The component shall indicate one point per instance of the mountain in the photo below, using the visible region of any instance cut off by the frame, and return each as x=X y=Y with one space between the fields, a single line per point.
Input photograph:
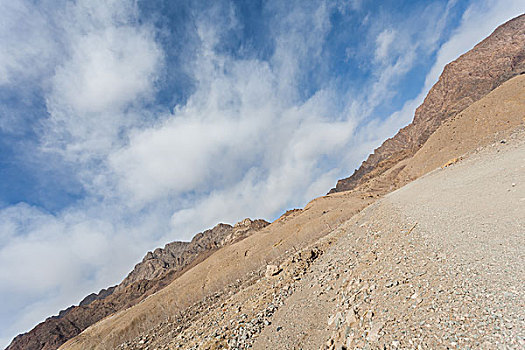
x=464 y=81
x=444 y=252
x=298 y=280
x=158 y=269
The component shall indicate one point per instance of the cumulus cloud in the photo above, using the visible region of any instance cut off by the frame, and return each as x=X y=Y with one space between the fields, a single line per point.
x=107 y=71
x=111 y=68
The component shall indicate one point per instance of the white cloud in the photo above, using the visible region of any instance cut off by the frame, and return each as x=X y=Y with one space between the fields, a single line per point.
x=111 y=70
x=26 y=38
x=383 y=44
x=107 y=71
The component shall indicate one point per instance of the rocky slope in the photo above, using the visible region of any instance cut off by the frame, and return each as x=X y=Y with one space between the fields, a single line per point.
x=178 y=254
x=192 y=294
x=464 y=81
x=437 y=264
x=158 y=269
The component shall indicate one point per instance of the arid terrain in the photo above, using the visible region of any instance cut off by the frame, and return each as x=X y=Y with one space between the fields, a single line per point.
x=422 y=247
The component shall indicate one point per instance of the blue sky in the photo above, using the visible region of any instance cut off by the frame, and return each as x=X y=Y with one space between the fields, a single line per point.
x=128 y=124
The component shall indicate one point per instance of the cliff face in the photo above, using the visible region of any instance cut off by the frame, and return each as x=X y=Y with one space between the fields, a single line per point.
x=493 y=61
x=158 y=269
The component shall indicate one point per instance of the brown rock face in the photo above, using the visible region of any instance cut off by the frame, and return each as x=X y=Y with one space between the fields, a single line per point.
x=158 y=269
x=177 y=254
x=495 y=60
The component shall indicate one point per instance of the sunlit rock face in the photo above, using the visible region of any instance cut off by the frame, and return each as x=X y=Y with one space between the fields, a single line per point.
x=495 y=60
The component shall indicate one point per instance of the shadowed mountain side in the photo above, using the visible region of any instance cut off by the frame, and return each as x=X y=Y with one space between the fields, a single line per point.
x=157 y=270
x=464 y=81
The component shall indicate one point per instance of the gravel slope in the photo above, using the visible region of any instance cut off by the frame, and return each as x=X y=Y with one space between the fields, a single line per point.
x=436 y=264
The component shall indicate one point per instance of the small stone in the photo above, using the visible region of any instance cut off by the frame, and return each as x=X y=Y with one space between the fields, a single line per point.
x=331 y=320
x=373 y=335
x=351 y=320
x=338 y=318
x=272 y=270
x=349 y=341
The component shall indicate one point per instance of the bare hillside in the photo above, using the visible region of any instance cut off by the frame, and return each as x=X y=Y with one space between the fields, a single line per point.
x=437 y=264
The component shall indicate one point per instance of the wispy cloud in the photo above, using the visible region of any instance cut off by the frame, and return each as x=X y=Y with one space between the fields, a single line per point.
x=28 y=41
x=383 y=44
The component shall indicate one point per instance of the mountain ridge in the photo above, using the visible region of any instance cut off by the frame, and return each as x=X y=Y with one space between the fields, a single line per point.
x=493 y=61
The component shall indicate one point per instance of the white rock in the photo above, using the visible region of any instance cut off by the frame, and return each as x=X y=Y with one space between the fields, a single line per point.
x=272 y=270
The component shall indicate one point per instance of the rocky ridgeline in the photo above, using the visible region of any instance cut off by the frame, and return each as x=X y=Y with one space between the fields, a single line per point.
x=178 y=254
x=158 y=269
x=493 y=61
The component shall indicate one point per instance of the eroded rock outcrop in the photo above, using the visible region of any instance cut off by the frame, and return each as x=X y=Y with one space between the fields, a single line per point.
x=177 y=254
